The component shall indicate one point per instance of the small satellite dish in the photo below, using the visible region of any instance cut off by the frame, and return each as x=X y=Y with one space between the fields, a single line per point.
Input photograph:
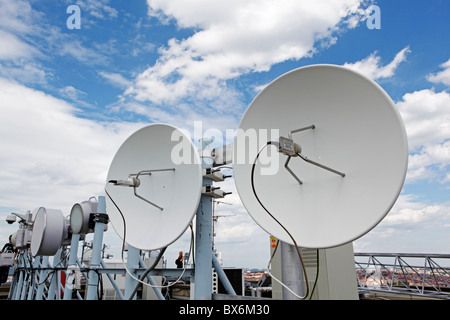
x=50 y=231
x=155 y=181
x=337 y=162
x=80 y=216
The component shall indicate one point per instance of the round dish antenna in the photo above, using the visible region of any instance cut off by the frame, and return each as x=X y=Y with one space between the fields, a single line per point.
x=321 y=154
x=80 y=216
x=50 y=231
x=154 y=186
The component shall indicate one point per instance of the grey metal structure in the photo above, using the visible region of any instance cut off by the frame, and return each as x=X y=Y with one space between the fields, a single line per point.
x=424 y=275
x=36 y=278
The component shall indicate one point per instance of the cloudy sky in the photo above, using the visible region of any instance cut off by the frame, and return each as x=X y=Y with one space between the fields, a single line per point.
x=72 y=90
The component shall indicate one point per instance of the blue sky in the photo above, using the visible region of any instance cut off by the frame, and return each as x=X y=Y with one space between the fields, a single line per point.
x=70 y=97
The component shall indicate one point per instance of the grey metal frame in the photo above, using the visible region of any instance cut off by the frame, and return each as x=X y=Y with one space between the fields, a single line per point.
x=394 y=274
x=32 y=278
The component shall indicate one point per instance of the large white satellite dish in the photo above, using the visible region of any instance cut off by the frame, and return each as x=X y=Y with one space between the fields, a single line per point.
x=50 y=231
x=343 y=161
x=155 y=181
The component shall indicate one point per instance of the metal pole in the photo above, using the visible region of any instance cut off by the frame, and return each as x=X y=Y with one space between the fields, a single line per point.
x=18 y=287
x=19 y=284
x=113 y=282
x=222 y=276
x=96 y=250
x=291 y=272
x=203 y=235
x=132 y=265
x=81 y=266
x=53 y=289
x=152 y=281
x=42 y=279
x=26 y=282
x=70 y=274
x=33 y=278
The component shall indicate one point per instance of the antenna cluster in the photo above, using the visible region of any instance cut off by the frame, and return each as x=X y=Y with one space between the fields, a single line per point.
x=334 y=182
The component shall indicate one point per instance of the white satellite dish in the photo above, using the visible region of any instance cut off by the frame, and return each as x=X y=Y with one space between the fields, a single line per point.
x=50 y=231
x=155 y=181
x=343 y=156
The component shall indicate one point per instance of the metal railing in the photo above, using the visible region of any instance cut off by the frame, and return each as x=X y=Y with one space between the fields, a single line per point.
x=426 y=275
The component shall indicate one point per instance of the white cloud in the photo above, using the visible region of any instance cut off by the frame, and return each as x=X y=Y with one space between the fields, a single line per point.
x=116 y=79
x=27 y=32
x=411 y=226
x=75 y=48
x=14 y=48
x=408 y=212
x=446 y=179
x=426 y=114
x=16 y=16
x=17 y=20
x=232 y=230
x=234 y=38
x=28 y=39
x=371 y=66
x=50 y=157
x=25 y=71
x=430 y=163
x=98 y=8
x=442 y=76
x=71 y=92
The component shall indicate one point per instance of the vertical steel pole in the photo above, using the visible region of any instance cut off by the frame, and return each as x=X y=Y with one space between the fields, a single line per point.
x=18 y=287
x=24 y=289
x=42 y=279
x=291 y=272
x=151 y=280
x=34 y=277
x=54 y=284
x=19 y=283
x=27 y=281
x=70 y=274
x=203 y=235
x=113 y=282
x=96 y=250
x=222 y=276
x=132 y=264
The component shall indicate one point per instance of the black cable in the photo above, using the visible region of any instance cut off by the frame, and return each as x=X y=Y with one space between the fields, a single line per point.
x=282 y=226
x=46 y=278
x=99 y=285
x=146 y=272
x=123 y=219
x=162 y=250
x=123 y=247
x=317 y=274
